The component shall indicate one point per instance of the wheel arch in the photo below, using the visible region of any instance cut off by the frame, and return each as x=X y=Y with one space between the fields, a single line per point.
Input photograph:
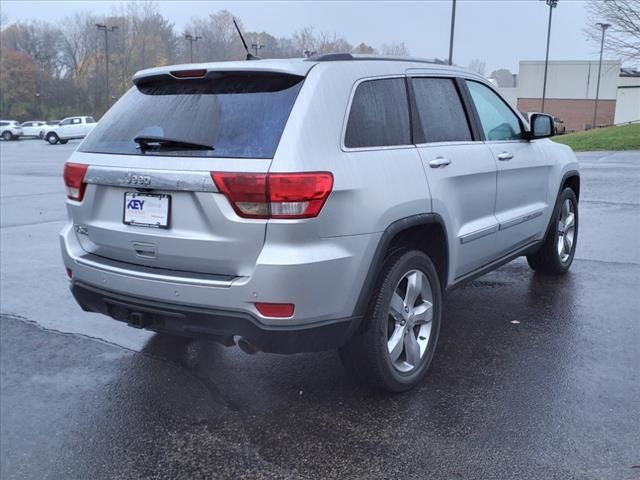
x=426 y=232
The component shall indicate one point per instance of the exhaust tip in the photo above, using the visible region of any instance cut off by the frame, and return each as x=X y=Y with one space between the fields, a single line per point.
x=247 y=347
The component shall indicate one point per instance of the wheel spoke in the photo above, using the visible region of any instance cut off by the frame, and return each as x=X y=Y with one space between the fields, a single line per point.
x=566 y=245
x=566 y=209
x=397 y=306
x=412 y=348
x=561 y=245
x=395 y=343
x=414 y=288
x=569 y=222
x=423 y=313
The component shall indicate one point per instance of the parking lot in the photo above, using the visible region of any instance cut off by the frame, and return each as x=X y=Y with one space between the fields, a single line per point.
x=534 y=378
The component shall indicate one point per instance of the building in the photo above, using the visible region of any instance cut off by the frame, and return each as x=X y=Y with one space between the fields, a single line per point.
x=571 y=92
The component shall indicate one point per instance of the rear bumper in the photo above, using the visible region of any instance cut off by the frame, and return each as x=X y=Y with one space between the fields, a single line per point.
x=220 y=324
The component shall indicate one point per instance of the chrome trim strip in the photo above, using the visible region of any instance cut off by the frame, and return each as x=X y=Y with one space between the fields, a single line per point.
x=469 y=237
x=148 y=273
x=519 y=220
x=175 y=180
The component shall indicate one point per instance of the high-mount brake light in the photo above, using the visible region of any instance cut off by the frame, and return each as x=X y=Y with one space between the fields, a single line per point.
x=275 y=195
x=73 y=175
x=199 y=73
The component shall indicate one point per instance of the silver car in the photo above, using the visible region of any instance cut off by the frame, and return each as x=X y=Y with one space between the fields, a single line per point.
x=312 y=204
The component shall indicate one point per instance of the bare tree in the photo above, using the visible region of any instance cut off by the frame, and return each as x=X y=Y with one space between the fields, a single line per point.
x=478 y=66
x=504 y=77
x=395 y=49
x=364 y=48
x=623 y=38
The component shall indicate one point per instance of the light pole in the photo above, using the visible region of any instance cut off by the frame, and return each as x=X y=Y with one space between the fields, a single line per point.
x=552 y=4
x=453 y=24
x=191 y=39
x=106 y=31
x=257 y=46
x=603 y=26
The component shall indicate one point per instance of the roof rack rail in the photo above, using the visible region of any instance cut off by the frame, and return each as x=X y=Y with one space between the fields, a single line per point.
x=334 y=57
x=331 y=57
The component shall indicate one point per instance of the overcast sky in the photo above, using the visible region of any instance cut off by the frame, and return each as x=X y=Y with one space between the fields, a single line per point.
x=500 y=32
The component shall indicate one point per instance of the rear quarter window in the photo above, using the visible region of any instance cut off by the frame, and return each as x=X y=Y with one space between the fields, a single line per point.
x=379 y=115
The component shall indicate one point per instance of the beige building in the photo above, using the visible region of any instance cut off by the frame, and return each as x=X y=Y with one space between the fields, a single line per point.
x=571 y=92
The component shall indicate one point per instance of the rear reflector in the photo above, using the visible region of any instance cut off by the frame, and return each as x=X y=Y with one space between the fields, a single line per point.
x=276 y=310
x=275 y=195
x=74 y=180
x=69 y=273
x=189 y=73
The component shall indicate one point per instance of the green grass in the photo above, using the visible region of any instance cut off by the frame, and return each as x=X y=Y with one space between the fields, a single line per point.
x=624 y=137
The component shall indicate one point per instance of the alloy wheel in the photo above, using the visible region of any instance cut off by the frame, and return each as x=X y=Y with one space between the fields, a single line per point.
x=566 y=230
x=409 y=324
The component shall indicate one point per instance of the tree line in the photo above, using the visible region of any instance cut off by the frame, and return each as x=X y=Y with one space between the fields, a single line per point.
x=55 y=70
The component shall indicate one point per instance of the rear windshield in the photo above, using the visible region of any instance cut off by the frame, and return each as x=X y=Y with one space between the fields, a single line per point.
x=238 y=114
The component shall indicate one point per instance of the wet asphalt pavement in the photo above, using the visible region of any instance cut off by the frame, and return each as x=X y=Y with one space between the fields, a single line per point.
x=534 y=377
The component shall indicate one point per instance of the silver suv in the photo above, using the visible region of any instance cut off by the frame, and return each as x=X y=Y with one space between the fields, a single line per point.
x=310 y=204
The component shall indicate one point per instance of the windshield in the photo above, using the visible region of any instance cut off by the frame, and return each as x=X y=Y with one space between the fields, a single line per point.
x=237 y=114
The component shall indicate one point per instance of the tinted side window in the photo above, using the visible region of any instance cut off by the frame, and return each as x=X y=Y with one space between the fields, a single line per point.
x=440 y=110
x=90 y=120
x=66 y=122
x=379 y=115
x=497 y=119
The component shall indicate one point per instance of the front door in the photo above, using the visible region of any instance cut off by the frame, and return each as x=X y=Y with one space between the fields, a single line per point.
x=523 y=170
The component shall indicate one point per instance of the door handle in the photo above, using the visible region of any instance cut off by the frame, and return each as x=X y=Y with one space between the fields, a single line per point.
x=439 y=162
x=505 y=156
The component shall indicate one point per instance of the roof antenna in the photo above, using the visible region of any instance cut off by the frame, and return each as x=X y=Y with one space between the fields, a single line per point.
x=246 y=49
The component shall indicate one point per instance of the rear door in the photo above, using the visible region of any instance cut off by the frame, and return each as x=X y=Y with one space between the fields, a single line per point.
x=241 y=118
x=523 y=170
x=460 y=170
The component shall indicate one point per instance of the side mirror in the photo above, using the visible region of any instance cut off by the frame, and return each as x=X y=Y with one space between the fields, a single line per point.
x=541 y=125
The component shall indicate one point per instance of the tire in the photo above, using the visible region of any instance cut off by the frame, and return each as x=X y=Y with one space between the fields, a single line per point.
x=52 y=138
x=7 y=135
x=64 y=142
x=559 y=247
x=367 y=356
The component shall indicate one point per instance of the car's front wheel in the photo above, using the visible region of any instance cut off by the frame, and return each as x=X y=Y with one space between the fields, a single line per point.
x=7 y=135
x=400 y=332
x=556 y=254
x=52 y=138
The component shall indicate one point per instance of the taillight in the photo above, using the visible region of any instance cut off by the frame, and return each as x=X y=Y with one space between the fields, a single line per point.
x=74 y=180
x=275 y=195
x=275 y=310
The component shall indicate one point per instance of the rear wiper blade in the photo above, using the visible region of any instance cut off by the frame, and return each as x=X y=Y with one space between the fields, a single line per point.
x=145 y=142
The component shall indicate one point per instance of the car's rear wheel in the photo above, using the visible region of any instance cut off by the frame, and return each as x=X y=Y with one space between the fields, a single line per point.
x=7 y=135
x=559 y=247
x=52 y=138
x=401 y=329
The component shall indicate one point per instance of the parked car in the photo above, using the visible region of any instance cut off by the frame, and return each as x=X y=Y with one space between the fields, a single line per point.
x=45 y=127
x=561 y=128
x=304 y=205
x=10 y=130
x=32 y=128
x=69 y=129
